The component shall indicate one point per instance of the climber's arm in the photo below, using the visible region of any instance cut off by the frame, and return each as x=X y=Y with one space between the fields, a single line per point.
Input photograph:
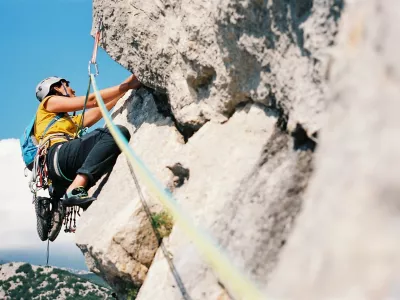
x=69 y=104
x=93 y=115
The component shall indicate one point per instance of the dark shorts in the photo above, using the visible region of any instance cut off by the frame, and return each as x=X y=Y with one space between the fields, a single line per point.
x=92 y=155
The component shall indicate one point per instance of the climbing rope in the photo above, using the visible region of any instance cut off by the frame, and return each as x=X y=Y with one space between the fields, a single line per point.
x=80 y=130
x=164 y=249
x=48 y=253
x=232 y=278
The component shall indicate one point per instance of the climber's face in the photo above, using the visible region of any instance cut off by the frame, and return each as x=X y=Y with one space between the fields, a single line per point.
x=65 y=89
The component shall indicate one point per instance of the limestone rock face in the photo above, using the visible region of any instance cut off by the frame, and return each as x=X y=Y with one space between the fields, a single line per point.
x=250 y=215
x=236 y=94
x=345 y=244
x=211 y=55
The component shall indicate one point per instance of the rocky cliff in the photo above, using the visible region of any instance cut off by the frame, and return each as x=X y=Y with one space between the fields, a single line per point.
x=274 y=125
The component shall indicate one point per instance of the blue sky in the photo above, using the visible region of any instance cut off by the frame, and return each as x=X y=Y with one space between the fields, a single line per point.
x=44 y=38
x=39 y=38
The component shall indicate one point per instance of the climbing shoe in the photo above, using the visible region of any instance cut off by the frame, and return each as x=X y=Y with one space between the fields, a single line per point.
x=77 y=197
x=43 y=216
x=57 y=218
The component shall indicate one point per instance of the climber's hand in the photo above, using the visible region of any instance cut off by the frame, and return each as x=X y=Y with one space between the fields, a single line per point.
x=133 y=82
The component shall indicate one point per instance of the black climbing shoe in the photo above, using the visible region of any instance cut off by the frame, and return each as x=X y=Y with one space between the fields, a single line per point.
x=77 y=197
x=57 y=218
x=43 y=216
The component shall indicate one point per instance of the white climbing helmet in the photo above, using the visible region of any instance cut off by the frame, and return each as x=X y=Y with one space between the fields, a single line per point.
x=43 y=88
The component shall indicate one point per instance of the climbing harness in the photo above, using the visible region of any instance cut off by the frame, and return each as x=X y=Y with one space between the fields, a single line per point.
x=56 y=165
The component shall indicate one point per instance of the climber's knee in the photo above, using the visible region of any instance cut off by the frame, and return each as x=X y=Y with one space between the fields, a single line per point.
x=125 y=132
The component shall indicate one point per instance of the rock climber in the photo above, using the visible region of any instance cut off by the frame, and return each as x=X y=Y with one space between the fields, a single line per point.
x=76 y=163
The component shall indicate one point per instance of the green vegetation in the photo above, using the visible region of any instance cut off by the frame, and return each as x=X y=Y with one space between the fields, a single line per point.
x=128 y=290
x=5 y=285
x=163 y=223
x=30 y=284
x=132 y=294
x=25 y=268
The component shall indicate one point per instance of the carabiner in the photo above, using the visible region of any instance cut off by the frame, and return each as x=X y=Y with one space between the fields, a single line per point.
x=90 y=68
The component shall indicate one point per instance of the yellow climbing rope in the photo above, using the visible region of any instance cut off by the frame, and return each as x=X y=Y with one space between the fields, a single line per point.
x=231 y=277
x=234 y=280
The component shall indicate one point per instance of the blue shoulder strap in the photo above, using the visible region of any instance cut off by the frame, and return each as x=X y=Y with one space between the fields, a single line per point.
x=55 y=119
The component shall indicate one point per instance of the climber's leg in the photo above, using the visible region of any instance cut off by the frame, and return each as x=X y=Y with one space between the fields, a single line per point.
x=86 y=159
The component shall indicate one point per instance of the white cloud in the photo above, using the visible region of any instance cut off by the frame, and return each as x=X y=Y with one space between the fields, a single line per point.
x=17 y=213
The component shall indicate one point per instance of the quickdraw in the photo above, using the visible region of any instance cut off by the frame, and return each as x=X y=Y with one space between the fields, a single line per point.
x=39 y=179
x=93 y=61
x=70 y=218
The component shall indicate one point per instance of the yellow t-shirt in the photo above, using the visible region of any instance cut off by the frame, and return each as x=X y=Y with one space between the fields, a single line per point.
x=66 y=124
